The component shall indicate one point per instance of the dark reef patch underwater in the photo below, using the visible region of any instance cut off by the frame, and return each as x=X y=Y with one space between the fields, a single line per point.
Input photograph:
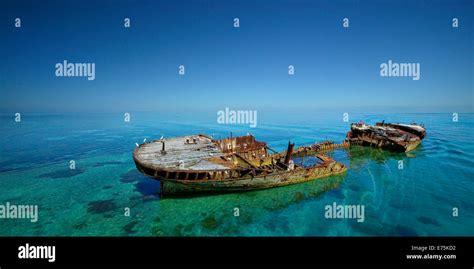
x=101 y=206
x=132 y=175
x=143 y=184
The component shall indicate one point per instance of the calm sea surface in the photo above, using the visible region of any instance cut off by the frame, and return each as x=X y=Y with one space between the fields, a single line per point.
x=91 y=200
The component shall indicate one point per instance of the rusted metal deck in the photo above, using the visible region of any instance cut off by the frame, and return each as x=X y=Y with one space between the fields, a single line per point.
x=191 y=153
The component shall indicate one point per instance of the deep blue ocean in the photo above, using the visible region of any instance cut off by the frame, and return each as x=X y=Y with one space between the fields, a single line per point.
x=417 y=200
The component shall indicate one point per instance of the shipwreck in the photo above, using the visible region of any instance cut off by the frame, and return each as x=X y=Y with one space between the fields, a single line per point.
x=201 y=164
x=389 y=136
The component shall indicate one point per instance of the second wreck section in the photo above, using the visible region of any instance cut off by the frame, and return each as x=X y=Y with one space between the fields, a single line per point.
x=390 y=136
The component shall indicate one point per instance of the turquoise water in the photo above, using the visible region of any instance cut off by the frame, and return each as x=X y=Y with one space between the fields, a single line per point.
x=91 y=200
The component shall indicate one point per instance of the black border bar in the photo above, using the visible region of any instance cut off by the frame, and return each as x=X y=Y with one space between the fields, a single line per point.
x=237 y=250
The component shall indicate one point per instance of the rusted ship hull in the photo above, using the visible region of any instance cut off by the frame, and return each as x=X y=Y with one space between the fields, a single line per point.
x=384 y=144
x=248 y=184
x=387 y=136
x=199 y=164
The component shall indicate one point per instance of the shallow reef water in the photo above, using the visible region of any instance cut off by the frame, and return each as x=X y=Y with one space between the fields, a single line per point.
x=107 y=196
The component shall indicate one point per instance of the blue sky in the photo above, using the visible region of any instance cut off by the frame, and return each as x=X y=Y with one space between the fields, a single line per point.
x=240 y=68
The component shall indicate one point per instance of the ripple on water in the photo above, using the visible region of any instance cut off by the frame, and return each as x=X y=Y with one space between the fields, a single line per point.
x=64 y=173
